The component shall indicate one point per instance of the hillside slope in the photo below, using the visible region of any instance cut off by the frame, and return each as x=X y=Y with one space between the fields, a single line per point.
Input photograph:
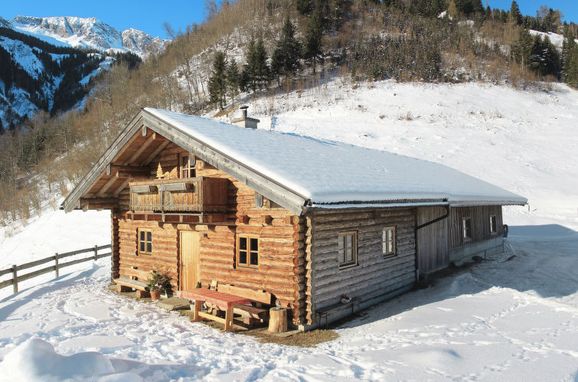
x=523 y=141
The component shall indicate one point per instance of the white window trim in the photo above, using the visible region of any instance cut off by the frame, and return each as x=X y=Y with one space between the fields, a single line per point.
x=493 y=232
x=354 y=248
x=464 y=237
x=384 y=241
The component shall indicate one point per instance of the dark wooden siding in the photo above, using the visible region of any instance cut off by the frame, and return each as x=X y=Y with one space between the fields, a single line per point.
x=375 y=274
x=480 y=224
x=432 y=240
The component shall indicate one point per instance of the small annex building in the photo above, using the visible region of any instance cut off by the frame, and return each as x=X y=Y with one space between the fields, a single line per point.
x=327 y=228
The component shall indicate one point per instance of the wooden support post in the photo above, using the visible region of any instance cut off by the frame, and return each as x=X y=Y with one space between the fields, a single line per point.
x=277 y=320
x=197 y=310
x=229 y=318
x=95 y=252
x=15 y=278
x=56 y=266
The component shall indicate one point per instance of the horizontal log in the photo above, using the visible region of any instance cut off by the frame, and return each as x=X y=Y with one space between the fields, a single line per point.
x=6 y=283
x=123 y=171
x=345 y=283
x=39 y=272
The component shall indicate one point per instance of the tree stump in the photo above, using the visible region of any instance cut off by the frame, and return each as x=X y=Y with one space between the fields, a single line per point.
x=277 y=320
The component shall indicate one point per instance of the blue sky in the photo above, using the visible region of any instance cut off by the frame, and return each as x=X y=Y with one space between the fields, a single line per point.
x=146 y=15
x=529 y=7
x=150 y=15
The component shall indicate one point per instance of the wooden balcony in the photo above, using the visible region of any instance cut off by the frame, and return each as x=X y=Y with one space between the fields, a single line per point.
x=179 y=195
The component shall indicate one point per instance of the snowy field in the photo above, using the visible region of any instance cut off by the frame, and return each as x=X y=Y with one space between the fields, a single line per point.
x=513 y=317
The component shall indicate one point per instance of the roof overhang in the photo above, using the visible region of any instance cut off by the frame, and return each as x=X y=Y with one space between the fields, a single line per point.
x=262 y=184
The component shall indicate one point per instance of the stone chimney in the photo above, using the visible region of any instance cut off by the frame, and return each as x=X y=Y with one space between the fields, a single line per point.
x=244 y=120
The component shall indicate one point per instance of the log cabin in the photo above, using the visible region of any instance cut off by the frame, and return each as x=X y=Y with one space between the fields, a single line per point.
x=326 y=228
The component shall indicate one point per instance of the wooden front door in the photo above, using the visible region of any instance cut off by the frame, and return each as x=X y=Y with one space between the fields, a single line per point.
x=190 y=272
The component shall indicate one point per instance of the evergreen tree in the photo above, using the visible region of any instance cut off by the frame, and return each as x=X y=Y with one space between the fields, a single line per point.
x=261 y=71
x=285 y=60
x=515 y=14
x=218 y=80
x=256 y=72
x=313 y=40
x=233 y=79
x=544 y=57
x=570 y=59
x=522 y=49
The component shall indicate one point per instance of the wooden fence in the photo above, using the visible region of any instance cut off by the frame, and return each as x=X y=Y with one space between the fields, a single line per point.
x=56 y=267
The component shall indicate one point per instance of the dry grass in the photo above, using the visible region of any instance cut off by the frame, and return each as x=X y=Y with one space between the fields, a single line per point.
x=298 y=339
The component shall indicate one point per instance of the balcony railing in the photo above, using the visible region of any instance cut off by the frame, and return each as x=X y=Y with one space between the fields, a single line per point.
x=179 y=195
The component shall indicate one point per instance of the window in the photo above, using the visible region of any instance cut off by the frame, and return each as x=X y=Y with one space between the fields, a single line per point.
x=347 y=248
x=388 y=241
x=467 y=228
x=145 y=242
x=493 y=224
x=187 y=166
x=248 y=251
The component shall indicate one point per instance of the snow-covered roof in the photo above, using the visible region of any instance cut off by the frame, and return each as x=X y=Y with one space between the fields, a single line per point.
x=332 y=174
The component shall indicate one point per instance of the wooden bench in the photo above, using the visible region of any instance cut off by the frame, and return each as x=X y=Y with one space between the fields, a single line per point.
x=251 y=314
x=134 y=279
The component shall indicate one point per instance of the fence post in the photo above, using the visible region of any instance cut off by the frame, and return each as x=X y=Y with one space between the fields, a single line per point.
x=15 y=279
x=95 y=252
x=56 y=269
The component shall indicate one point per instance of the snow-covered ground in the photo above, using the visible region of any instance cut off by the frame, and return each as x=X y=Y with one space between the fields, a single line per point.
x=506 y=319
x=514 y=317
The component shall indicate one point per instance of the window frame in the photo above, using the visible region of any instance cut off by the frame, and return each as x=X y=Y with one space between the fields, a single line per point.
x=466 y=238
x=493 y=224
x=249 y=251
x=145 y=241
x=189 y=167
x=354 y=248
x=384 y=241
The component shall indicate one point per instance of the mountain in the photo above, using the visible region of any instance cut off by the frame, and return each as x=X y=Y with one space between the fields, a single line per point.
x=35 y=75
x=47 y=64
x=88 y=33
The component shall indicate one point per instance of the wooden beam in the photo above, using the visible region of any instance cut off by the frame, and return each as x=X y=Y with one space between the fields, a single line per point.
x=123 y=171
x=142 y=149
x=106 y=186
x=98 y=203
x=121 y=187
x=156 y=152
x=122 y=149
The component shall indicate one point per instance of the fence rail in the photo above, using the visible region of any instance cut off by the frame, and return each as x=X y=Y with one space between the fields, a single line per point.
x=56 y=267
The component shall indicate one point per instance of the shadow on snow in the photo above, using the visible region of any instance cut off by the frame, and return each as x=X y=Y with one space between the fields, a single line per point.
x=541 y=259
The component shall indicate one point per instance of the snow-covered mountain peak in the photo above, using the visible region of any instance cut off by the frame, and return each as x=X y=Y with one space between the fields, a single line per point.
x=142 y=43
x=90 y=33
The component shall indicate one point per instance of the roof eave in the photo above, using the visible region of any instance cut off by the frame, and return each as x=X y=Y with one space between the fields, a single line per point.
x=72 y=201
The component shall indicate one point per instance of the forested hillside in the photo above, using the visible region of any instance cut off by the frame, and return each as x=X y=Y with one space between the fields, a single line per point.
x=36 y=76
x=250 y=49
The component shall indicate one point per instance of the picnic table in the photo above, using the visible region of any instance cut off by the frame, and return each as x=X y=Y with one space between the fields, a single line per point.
x=224 y=301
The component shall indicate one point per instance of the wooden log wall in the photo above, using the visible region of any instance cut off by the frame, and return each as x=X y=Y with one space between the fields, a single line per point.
x=165 y=249
x=281 y=234
x=432 y=241
x=480 y=224
x=375 y=274
x=115 y=250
